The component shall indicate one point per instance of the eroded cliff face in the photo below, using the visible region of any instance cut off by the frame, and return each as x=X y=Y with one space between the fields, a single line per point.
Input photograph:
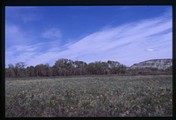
x=155 y=63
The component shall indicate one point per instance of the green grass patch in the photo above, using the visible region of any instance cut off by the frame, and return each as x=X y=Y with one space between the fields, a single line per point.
x=89 y=96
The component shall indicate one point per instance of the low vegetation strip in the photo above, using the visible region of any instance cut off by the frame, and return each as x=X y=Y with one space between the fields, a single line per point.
x=67 y=67
x=97 y=96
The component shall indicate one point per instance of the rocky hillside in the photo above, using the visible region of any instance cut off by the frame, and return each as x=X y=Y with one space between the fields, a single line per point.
x=155 y=63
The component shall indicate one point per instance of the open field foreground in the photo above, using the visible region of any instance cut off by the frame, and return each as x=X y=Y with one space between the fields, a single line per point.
x=95 y=96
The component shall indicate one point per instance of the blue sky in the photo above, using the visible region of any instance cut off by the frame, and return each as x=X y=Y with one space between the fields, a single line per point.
x=128 y=34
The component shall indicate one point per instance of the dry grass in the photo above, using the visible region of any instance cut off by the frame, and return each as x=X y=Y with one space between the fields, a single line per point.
x=97 y=96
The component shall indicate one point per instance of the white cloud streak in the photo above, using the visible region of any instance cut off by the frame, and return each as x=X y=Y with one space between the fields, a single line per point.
x=150 y=49
x=52 y=33
x=128 y=44
x=19 y=13
x=13 y=34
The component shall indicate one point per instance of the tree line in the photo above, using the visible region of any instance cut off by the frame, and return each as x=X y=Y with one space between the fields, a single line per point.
x=67 y=67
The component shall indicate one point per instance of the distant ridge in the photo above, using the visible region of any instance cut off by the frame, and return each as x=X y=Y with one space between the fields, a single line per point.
x=154 y=63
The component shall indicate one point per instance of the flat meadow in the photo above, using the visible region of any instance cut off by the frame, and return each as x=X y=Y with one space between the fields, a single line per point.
x=89 y=96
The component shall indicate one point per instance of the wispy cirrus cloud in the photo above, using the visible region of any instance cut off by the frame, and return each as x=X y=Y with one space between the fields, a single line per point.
x=19 y=13
x=150 y=49
x=15 y=35
x=128 y=43
x=22 y=46
x=52 y=33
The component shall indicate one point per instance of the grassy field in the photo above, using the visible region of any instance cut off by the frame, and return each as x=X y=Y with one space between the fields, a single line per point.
x=94 y=96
